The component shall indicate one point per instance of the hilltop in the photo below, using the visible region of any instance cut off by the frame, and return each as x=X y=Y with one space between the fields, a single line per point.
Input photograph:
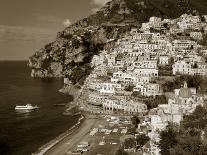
x=71 y=53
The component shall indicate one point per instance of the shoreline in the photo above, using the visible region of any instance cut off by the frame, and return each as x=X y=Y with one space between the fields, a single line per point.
x=69 y=142
x=70 y=132
x=52 y=143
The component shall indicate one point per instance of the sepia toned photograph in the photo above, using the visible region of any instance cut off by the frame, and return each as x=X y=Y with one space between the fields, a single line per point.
x=103 y=77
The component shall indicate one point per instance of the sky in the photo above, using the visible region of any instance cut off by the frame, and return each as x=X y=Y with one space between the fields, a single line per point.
x=27 y=25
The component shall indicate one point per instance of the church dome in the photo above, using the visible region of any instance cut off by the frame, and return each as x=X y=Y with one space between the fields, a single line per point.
x=185 y=92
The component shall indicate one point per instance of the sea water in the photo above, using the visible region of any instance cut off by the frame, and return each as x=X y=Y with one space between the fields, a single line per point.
x=24 y=133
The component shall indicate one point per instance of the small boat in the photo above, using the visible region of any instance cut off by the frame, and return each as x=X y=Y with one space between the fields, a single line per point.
x=58 y=105
x=26 y=107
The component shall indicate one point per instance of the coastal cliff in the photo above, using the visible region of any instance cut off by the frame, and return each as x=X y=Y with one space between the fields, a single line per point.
x=69 y=56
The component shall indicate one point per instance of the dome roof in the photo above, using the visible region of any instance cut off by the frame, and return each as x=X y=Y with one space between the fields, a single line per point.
x=185 y=92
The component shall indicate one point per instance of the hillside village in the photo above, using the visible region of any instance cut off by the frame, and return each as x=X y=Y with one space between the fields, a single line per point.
x=125 y=77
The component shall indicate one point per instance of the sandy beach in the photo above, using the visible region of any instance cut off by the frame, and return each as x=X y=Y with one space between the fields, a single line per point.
x=71 y=141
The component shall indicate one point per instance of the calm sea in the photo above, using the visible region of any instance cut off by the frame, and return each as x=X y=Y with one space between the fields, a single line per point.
x=22 y=134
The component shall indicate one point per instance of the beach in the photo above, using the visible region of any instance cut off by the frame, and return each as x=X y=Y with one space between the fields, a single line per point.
x=99 y=142
x=67 y=145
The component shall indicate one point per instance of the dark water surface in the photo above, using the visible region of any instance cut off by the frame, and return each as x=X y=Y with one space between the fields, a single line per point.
x=22 y=134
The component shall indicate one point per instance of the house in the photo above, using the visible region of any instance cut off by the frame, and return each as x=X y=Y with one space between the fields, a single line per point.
x=170 y=113
x=184 y=44
x=155 y=22
x=130 y=107
x=189 y=22
x=98 y=59
x=174 y=29
x=141 y=80
x=157 y=123
x=163 y=60
x=196 y=35
x=120 y=76
x=100 y=70
x=149 y=89
x=111 y=59
x=67 y=81
x=96 y=98
x=185 y=67
x=145 y=64
x=145 y=27
x=93 y=85
x=182 y=67
x=147 y=46
x=143 y=36
x=109 y=88
x=143 y=72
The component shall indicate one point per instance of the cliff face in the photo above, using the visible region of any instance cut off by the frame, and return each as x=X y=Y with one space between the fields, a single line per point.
x=70 y=54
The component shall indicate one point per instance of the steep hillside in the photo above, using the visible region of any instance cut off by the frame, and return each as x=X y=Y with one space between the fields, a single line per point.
x=70 y=54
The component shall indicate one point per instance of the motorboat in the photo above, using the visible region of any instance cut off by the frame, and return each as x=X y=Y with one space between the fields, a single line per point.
x=26 y=107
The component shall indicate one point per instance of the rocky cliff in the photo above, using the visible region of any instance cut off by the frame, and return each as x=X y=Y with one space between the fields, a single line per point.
x=70 y=54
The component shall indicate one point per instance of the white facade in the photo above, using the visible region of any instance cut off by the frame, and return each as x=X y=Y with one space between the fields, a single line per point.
x=196 y=35
x=163 y=60
x=186 y=68
x=148 y=89
x=109 y=88
x=182 y=67
x=125 y=106
x=143 y=72
x=184 y=44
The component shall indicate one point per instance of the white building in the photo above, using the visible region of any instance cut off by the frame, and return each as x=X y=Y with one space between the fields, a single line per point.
x=98 y=59
x=149 y=89
x=187 y=68
x=130 y=107
x=155 y=22
x=196 y=35
x=157 y=123
x=143 y=72
x=184 y=44
x=182 y=67
x=109 y=88
x=163 y=60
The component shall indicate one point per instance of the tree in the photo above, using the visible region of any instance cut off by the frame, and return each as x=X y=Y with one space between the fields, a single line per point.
x=129 y=143
x=198 y=119
x=186 y=145
x=121 y=151
x=129 y=88
x=135 y=121
x=190 y=138
x=153 y=102
x=168 y=140
x=142 y=139
x=165 y=25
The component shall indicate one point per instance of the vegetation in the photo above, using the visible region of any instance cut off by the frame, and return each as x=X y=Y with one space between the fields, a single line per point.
x=168 y=140
x=188 y=140
x=79 y=74
x=165 y=8
x=166 y=70
x=121 y=151
x=129 y=88
x=135 y=121
x=142 y=140
x=129 y=143
x=196 y=81
x=154 y=102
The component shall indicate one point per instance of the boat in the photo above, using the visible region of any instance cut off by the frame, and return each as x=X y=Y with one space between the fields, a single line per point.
x=58 y=105
x=26 y=107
